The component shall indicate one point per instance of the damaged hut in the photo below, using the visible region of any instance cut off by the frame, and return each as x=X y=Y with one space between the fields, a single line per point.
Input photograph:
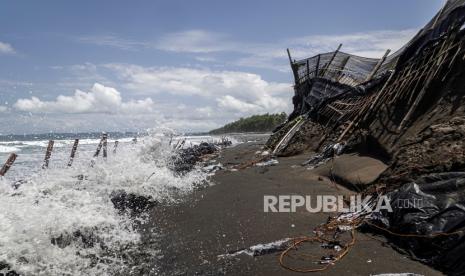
x=387 y=103
x=407 y=109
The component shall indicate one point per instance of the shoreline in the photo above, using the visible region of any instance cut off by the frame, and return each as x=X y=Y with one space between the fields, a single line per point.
x=228 y=216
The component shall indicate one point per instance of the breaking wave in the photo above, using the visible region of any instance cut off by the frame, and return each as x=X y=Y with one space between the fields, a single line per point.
x=61 y=221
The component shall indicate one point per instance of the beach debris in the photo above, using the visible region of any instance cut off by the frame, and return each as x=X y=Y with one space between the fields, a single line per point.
x=48 y=154
x=259 y=249
x=9 y=162
x=326 y=154
x=267 y=163
x=428 y=211
x=135 y=204
x=211 y=169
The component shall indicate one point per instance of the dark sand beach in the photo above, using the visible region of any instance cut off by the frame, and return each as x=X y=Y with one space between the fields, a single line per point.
x=229 y=216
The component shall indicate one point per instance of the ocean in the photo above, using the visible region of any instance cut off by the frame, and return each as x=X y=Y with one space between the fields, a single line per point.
x=73 y=204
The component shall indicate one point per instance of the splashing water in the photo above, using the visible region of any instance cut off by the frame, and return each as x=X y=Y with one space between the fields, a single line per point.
x=61 y=221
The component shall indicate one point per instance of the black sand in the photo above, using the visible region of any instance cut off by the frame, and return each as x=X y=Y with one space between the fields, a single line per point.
x=229 y=216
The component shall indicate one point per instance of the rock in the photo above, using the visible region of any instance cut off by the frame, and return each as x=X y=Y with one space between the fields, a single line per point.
x=136 y=204
x=187 y=158
x=86 y=237
x=5 y=270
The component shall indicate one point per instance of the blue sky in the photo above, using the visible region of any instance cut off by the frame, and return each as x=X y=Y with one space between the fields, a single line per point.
x=70 y=66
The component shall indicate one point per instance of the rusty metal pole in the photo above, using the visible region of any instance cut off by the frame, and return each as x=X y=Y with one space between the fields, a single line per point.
x=9 y=162
x=73 y=152
x=48 y=154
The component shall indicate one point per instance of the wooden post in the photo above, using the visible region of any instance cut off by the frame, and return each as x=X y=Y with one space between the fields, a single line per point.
x=294 y=72
x=378 y=65
x=317 y=67
x=115 y=146
x=105 y=142
x=48 y=154
x=9 y=162
x=73 y=152
x=331 y=60
x=308 y=70
x=99 y=147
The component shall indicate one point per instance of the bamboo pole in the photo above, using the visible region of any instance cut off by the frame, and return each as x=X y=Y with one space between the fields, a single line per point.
x=308 y=70
x=317 y=66
x=364 y=110
x=73 y=152
x=422 y=93
x=294 y=72
x=343 y=65
x=48 y=154
x=378 y=65
x=9 y=162
x=323 y=72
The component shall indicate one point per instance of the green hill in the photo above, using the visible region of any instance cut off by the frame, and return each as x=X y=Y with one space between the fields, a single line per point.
x=256 y=123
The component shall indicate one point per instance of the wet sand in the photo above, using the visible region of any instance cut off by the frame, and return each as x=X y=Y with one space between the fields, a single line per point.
x=229 y=216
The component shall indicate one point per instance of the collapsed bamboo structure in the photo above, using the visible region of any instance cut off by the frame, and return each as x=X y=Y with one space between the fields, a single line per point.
x=346 y=93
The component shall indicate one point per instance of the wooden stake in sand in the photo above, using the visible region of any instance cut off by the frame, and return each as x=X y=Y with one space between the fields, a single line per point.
x=48 y=154
x=9 y=162
x=73 y=152
x=105 y=142
x=99 y=148
x=115 y=146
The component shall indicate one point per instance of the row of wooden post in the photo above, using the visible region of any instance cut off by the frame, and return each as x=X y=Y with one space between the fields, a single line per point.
x=102 y=146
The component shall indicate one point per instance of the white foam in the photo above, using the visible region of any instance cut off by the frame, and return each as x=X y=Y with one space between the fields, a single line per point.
x=55 y=202
x=8 y=149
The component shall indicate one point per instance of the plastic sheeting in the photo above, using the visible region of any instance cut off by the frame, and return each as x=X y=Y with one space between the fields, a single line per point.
x=431 y=205
x=328 y=76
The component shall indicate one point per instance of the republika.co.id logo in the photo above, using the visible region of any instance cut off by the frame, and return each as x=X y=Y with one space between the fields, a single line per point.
x=325 y=203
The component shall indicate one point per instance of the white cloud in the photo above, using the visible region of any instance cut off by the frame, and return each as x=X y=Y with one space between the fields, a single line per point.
x=196 y=41
x=6 y=48
x=233 y=91
x=270 y=55
x=368 y=44
x=273 y=55
x=3 y=109
x=112 y=41
x=100 y=99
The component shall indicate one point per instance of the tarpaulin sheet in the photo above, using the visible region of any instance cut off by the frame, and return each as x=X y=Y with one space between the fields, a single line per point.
x=431 y=205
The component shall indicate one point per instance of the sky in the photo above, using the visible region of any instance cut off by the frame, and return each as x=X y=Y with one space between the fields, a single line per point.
x=78 y=66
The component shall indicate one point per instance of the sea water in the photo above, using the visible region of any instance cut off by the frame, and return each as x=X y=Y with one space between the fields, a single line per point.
x=39 y=205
